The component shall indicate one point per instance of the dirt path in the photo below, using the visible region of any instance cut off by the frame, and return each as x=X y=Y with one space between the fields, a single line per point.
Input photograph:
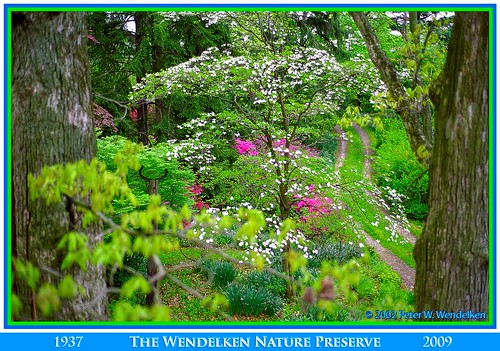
x=341 y=148
x=367 y=173
x=406 y=273
x=367 y=151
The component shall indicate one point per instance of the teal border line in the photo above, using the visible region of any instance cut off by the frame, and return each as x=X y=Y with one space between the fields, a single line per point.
x=363 y=325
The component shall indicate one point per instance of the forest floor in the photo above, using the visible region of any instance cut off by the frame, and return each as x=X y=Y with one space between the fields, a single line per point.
x=406 y=273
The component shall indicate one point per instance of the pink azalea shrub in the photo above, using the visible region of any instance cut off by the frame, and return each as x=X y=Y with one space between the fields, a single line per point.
x=196 y=190
x=295 y=145
x=245 y=147
x=316 y=206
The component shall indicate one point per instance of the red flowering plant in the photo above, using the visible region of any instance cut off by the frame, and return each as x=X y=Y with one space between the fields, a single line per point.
x=196 y=191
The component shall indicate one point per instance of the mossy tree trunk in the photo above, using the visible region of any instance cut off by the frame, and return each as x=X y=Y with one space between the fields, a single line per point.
x=415 y=115
x=52 y=123
x=452 y=253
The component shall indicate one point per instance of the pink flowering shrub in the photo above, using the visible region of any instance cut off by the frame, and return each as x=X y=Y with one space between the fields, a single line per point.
x=295 y=146
x=318 y=205
x=314 y=207
x=196 y=190
x=245 y=147
x=252 y=148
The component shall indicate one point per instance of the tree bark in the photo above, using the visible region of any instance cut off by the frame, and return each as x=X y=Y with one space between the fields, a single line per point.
x=52 y=123
x=452 y=254
x=409 y=112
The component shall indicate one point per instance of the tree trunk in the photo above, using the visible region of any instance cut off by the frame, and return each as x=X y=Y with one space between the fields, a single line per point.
x=52 y=123
x=452 y=253
x=405 y=107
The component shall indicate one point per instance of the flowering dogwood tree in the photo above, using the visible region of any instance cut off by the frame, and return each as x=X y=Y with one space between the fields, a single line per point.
x=272 y=88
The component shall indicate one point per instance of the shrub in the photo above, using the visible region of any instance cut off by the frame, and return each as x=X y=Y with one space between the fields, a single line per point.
x=245 y=300
x=221 y=273
x=392 y=277
x=396 y=168
x=366 y=288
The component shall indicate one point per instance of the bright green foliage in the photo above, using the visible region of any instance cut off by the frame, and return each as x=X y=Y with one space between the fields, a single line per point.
x=48 y=299
x=389 y=277
x=67 y=287
x=47 y=296
x=366 y=288
x=135 y=284
x=94 y=190
x=396 y=169
x=125 y=311
x=172 y=190
x=78 y=252
x=27 y=272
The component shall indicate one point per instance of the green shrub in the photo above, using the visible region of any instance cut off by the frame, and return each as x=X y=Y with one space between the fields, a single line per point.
x=221 y=273
x=396 y=168
x=392 y=277
x=172 y=190
x=245 y=300
x=391 y=296
x=266 y=280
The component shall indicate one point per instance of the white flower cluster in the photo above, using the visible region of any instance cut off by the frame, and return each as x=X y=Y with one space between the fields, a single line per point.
x=267 y=245
x=192 y=152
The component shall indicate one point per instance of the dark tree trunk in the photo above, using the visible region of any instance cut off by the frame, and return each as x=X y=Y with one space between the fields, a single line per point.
x=452 y=253
x=52 y=123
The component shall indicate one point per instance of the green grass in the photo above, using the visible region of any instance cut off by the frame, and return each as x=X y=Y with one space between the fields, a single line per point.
x=416 y=227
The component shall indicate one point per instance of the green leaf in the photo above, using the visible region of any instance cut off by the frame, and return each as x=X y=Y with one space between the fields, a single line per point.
x=159 y=313
x=67 y=287
x=16 y=305
x=48 y=300
x=27 y=272
x=226 y=222
x=297 y=261
x=135 y=284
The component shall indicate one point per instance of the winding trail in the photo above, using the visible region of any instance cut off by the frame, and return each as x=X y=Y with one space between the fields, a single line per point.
x=406 y=273
x=341 y=148
x=367 y=174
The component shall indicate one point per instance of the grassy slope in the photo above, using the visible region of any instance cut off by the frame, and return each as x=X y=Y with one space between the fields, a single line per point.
x=365 y=212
